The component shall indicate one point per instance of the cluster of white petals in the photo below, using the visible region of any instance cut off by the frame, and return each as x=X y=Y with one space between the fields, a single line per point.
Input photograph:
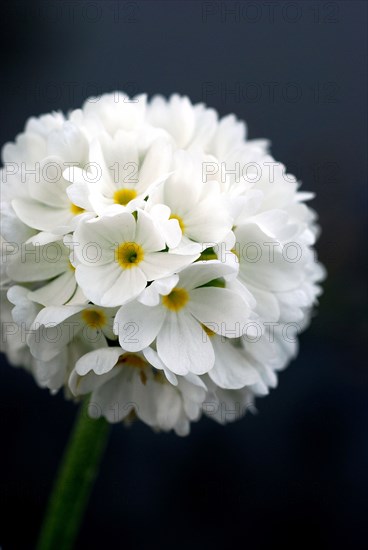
x=154 y=259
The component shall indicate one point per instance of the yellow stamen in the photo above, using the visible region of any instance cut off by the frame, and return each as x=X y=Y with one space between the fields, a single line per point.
x=129 y=255
x=94 y=318
x=180 y=221
x=71 y=266
x=75 y=210
x=123 y=196
x=176 y=300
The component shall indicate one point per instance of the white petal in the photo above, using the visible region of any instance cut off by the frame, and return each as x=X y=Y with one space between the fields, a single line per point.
x=187 y=247
x=39 y=263
x=235 y=285
x=78 y=297
x=201 y=273
x=222 y=310
x=49 y=191
x=55 y=327
x=78 y=194
x=44 y=237
x=156 y=163
x=160 y=212
x=231 y=369
x=82 y=385
x=126 y=287
x=180 y=191
x=106 y=232
x=207 y=221
x=161 y=287
x=138 y=325
x=57 y=292
x=40 y=216
x=100 y=361
x=115 y=398
x=169 y=228
x=96 y=280
x=54 y=315
x=159 y=404
x=147 y=234
x=182 y=347
x=24 y=311
x=69 y=142
x=263 y=265
x=267 y=306
x=162 y=264
x=152 y=357
x=123 y=152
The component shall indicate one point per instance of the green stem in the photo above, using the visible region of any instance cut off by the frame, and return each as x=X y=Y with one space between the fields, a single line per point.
x=74 y=482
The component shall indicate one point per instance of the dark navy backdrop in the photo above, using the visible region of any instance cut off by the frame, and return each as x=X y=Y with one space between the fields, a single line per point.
x=297 y=472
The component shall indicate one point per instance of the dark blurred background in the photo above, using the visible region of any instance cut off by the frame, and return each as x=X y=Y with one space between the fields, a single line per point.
x=296 y=473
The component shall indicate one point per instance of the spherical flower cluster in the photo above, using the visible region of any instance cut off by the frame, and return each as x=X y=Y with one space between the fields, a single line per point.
x=154 y=259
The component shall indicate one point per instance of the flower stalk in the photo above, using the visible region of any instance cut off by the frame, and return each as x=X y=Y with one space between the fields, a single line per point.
x=77 y=473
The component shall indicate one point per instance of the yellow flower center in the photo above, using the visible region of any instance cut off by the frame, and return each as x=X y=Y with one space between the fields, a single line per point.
x=71 y=266
x=180 y=221
x=176 y=300
x=75 y=210
x=123 y=196
x=129 y=255
x=94 y=318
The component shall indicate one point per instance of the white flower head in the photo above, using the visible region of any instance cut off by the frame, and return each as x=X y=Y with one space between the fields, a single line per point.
x=154 y=258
